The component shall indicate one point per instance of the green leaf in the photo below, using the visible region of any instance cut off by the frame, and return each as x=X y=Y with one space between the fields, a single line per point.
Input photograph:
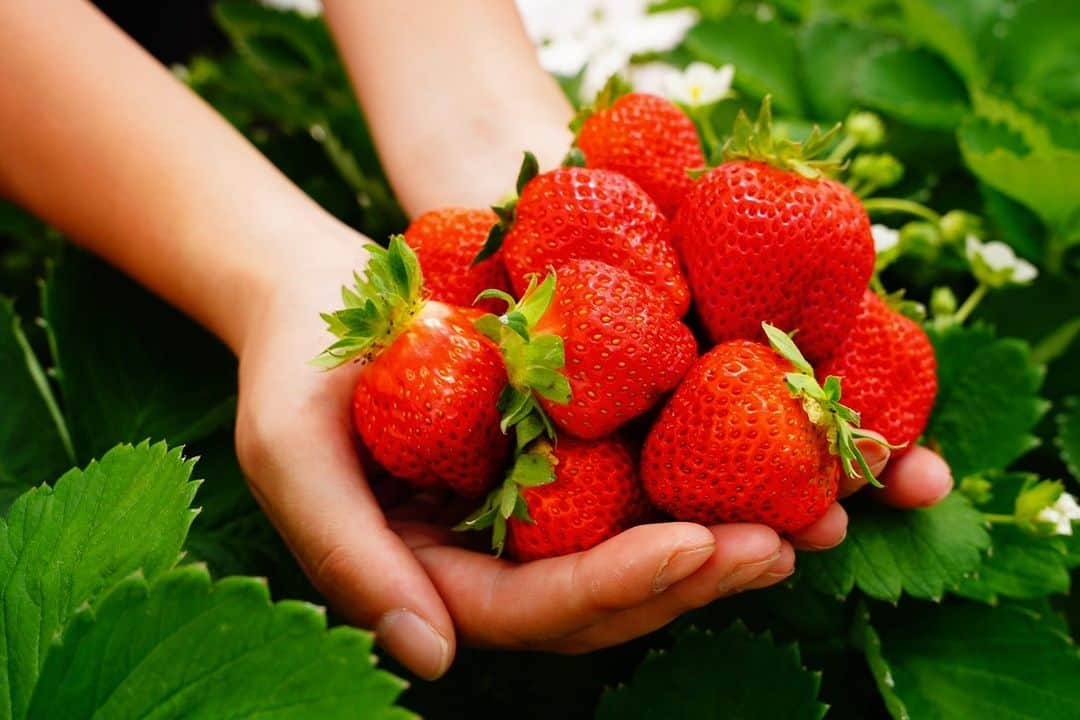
x=61 y=546
x=183 y=647
x=1068 y=437
x=739 y=39
x=830 y=54
x=953 y=28
x=987 y=400
x=967 y=661
x=129 y=366
x=1019 y=565
x=1018 y=153
x=1035 y=56
x=913 y=86
x=1015 y=224
x=231 y=533
x=35 y=448
x=888 y=552
x=747 y=677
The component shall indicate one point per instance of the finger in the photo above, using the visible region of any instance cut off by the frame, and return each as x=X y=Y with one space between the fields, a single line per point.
x=918 y=478
x=827 y=532
x=718 y=578
x=317 y=498
x=497 y=603
x=876 y=456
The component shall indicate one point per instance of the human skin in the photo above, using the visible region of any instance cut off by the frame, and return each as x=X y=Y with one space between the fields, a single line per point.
x=104 y=144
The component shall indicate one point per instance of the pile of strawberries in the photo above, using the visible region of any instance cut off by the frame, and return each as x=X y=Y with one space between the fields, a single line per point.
x=541 y=353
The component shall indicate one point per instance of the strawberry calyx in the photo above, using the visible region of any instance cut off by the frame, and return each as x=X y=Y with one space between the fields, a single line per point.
x=532 y=468
x=507 y=209
x=615 y=87
x=823 y=407
x=378 y=307
x=757 y=142
x=534 y=361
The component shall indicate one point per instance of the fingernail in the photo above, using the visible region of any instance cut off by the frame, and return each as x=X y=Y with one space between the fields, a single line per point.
x=744 y=573
x=680 y=565
x=414 y=642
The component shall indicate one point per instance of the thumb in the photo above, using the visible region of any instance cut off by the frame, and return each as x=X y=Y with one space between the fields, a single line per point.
x=876 y=456
x=316 y=496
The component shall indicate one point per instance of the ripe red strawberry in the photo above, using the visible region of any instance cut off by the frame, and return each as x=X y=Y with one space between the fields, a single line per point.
x=624 y=347
x=764 y=238
x=646 y=138
x=425 y=400
x=583 y=213
x=446 y=241
x=889 y=372
x=746 y=438
x=564 y=499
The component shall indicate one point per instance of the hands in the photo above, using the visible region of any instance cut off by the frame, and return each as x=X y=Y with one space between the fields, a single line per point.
x=396 y=568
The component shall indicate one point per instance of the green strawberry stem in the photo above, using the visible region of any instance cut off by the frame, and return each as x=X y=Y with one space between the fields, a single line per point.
x=909 y=207
x=532 y=468
x=964 y=311
x=756 y=142
x=534 y=362
x=822 y=406
x=506 y=209
x=377 y=308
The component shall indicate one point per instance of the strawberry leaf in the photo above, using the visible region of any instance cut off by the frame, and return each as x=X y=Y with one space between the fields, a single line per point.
x=914 y=86
x=128 y=365
x=889 y=552
x=1020 y=154
x=1068 y=436
x=959 y=661
x=37 y=447
x=749 y=677
x=61 y=546
x=120 y=657
x=989 y=379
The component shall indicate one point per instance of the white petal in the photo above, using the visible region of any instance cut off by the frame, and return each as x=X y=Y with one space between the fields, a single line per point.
x=563 y=57
x=310 y=8
x=652 y=77
x=998 y=256
x=885 y=238
x=1063 y=527
x=1024 y=272
x=1067 y=506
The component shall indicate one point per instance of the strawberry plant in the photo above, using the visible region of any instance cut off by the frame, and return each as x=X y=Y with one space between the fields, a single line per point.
x=140 y=577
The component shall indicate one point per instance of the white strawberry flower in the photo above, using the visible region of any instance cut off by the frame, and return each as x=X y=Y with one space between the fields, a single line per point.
x=885 y=238
x=700 y=84
x=310 y=8
x=995 y=264
x=599 y=37
x=1061 y=515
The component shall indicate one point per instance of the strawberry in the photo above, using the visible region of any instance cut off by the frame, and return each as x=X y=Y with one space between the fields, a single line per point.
x=765 y=237
x=624 y=347
x=750 y=436
x=445 y=241
x=584 y=213
x=646 y=138
x=563 y=499
x=889 y=371
x=426 y=396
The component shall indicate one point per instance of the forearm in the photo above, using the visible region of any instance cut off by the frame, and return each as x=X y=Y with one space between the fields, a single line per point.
x=103 y=143
x=453 y=93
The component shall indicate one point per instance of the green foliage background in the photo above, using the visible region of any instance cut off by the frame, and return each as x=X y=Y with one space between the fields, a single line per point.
x=109 y=609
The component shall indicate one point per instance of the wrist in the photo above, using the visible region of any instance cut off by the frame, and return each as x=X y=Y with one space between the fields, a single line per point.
x=304 y=262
